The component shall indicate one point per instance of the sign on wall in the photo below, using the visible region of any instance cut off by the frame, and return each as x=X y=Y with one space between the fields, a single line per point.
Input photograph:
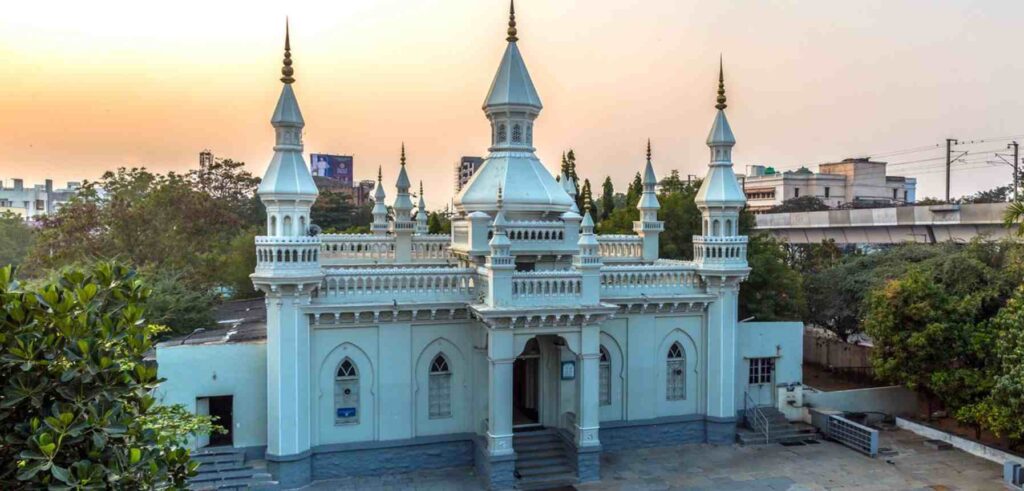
x=568 y=370
x=346 y=412
x=337 y=167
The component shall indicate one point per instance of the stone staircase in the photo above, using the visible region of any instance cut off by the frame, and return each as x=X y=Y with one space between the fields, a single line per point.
x=541 y=461
x=225 y=468
x=780 y=430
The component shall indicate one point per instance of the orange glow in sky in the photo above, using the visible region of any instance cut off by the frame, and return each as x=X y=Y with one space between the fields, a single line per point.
x=90 y=86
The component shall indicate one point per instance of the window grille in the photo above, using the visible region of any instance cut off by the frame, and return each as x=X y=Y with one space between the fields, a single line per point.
x=346 y=393
x=529 y=133
x=440 y=392
x=675 y=373
x=761 y=370
x=502 y=133
x=517 y=133
x=606 y=378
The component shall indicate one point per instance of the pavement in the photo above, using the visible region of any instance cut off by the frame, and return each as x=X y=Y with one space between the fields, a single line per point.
x=909 y=465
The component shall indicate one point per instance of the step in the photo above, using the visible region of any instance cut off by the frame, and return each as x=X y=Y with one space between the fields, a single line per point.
x=558 y=460
x=233 y=484
x=547 y=482
x=245 y=473
x=535 y=438
x=545 y=470
x=542 y=455
x=221 y=467
x=538 y=446
x=219 y=458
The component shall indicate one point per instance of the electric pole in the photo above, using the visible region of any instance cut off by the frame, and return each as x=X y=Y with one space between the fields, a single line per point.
x=1016 y=160
x=949 y=161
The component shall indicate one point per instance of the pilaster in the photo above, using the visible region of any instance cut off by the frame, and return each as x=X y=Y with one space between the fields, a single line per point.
x=500 y=354
x=722 y=321
x=589 y=390
x=288 y=374
x=395 y=393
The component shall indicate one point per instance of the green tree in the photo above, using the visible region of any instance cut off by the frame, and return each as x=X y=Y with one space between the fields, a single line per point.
x=774 y=290
x=332 y=211
x=1014 y=216
x=682 y=220
x=607 y=198
x=76 y=409
x=634 y=191
x=801 y=204
x=438 y=223
x=16 y=239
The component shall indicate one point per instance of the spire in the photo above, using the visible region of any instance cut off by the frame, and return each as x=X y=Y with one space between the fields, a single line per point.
x=403 y=154
x=287 y=69
x=512 y=22
x=721 y=86
x=648 y=150
x=649 y=180
x=403 y=183
x=378 y=194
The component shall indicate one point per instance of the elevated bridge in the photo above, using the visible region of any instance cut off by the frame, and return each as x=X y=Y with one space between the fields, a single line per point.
x=926 y=224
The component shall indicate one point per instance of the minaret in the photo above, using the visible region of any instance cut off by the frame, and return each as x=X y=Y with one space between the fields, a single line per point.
x=648 y=227
x=287 y=271
x=588 y=260
x=403 y=227
x=721 y=257
x=421 y=214
x=380 y=209
x=500 y=263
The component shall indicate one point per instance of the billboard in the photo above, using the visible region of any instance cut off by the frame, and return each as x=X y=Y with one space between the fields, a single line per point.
x=337 y=167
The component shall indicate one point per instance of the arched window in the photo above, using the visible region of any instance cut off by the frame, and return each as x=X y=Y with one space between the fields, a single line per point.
x=716 y=228
x=517 y=133
x=502 y=133
x=675 y=373
x=287 y=230
x=302 y=226
x=440 y=393
x=705 y=227
x=529 y=138
x=606 y=378
x=273 y=225
x=728 y=227
x=346 y=393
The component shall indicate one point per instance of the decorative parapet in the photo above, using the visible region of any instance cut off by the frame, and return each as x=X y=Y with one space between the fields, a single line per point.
x=341 y=249
x=389 y=285
x=431 y=247
x=547 y=287
x=620 y=247
x=288 y=255
x=729 y=251
x=664 y=278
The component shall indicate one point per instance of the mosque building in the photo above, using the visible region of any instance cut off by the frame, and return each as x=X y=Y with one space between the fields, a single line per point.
x=522 y=343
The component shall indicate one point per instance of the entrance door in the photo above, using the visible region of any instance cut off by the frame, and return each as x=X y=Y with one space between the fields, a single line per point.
x=525 y=400
x=221 y=408
x=761 y=381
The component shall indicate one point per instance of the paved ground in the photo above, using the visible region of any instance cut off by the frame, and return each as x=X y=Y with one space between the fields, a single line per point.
x=826 y=466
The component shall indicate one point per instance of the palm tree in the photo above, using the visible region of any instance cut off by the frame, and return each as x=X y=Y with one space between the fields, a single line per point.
x=1014 y=216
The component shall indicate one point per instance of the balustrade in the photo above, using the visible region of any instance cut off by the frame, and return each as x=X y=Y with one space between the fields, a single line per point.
x=620 y=247
x=661 y=278
x=389 y=284
x=533 y=284
x=358 y=246
x=274 y=253
x=711 y=249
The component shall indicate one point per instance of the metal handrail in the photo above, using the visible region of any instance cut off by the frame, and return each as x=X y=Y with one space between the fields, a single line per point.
x=759 y=418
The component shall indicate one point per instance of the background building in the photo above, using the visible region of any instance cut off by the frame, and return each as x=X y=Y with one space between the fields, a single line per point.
x=337 y=167
x=839 y=184
x=41 y=199
x=464 y=169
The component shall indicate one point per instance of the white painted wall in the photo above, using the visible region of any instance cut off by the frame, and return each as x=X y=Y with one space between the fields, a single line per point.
x=783 y=340
x=237 y=369
x=895 y=400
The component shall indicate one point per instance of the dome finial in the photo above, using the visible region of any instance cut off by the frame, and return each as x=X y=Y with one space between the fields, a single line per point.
x=721 y=86
x=648 y=150
x=403 y=154
x=287 y=69
x=512 y=22
x=380 y=174
x=501 y=200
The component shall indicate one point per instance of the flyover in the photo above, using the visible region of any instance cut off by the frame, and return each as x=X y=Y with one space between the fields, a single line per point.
x=926 y=224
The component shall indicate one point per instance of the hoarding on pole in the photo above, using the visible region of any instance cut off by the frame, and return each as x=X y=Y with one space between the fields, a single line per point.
x=337 y=167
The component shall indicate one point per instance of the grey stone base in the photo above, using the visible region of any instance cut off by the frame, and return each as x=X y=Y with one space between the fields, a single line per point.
x=658 y=432
x=291 y=471
x=494 y=472
x=392 y=457
x=588 y=464
x=721 y=431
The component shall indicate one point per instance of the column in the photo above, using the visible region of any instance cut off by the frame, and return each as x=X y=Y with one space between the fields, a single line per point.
x=588 y=445
x=288 y=387
x=721 y=410
x=396 y=401
x=499 y=404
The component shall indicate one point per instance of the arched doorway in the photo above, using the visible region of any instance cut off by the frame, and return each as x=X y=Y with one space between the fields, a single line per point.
x=526 y=387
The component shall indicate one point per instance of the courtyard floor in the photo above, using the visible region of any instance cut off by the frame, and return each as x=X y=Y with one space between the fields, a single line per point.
x=826 y=466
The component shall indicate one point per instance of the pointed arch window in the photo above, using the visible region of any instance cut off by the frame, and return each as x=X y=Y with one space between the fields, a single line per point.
x=517 y=133
x=346 y=393
x=440 y=388
x=675 y=372
x=529 y=135
x=605 y=370
x=502 y=133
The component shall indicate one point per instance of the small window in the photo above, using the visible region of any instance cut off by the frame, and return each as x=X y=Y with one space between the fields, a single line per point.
x=502 y=133
x=828 y=191
x=440 y=392
x=675 y=373
x=606 y=378
x=894 y=194
x=529 y=133
x=905 y=195
x=762 y=371
x=796 y=192
x=346 y=393
x=517 y=133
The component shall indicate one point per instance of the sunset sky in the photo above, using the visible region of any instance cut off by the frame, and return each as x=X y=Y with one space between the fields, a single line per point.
x=90 y=86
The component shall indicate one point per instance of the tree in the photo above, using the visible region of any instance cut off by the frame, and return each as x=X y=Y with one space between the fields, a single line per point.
x=1007 y=400
x=607 y=198
x=438 y=223
x=1014 y=216
x=999 y=194
x=16 y=239
x=929 y=201
x=332 y=211
x=774 y=290
x=634 y=191
x=682 y=220
x=801 y=204
x=76 y=409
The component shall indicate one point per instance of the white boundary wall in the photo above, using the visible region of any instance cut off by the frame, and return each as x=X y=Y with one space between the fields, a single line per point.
x=971 y=447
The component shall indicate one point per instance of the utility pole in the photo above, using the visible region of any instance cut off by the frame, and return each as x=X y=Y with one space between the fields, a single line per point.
x=1016 y=160
x=949 y=161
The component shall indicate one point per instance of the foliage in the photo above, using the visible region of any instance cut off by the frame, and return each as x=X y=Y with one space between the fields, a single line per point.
x=174 y=304
x=1014 y=216
x=76 y=409
x=999 y=194
x=239 y=263
x=438 y=223
x=16 y=239
x=774 y=290
x=929 y=201
x=607 y=198
x=682 y=220
x=332 y=211
x=800 y=204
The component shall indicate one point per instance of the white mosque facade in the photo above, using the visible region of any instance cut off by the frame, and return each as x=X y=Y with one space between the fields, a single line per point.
x=523 y=343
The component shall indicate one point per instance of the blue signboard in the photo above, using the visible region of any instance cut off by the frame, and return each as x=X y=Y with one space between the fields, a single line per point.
x=346 y=412
x=568 y=370
x=337 y=167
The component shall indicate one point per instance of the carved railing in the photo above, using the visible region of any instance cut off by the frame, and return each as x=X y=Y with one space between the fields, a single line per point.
x=620 y=247
x=535 y=231
x=287 y=253
x=431 y=247
x=367 y=247
x=711 y=249
x=663 y=278
x=546 y=287
x=385 y=285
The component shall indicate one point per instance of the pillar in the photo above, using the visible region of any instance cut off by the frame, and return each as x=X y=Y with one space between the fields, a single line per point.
x=721 y=410
x=288 y=387
x=588 y=445
x=497 y=462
